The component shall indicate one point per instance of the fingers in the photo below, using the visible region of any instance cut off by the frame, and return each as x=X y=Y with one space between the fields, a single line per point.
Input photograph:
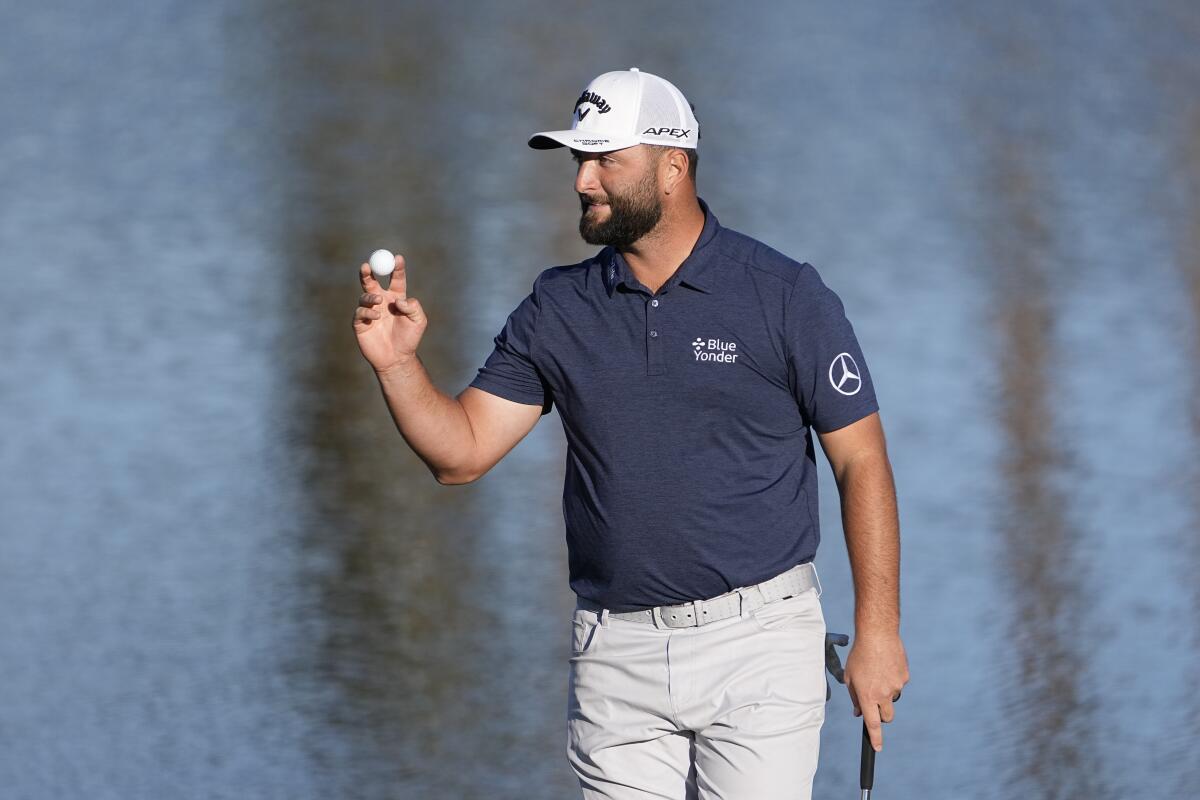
x=399 y=283
x=874 y=728
x=365 y=315
x=368 y=303
x=367 y=278
x=875 y=708
x=366 y=310
x=886 y=712
x=411 y=308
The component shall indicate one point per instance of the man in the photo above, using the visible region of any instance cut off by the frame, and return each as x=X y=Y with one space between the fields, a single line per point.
x=689 y=364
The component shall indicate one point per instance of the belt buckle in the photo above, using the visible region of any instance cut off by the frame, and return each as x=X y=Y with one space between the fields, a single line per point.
x=656 y=617
x=675 y=611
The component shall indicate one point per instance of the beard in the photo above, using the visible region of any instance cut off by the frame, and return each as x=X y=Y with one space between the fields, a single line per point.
x=630 y=216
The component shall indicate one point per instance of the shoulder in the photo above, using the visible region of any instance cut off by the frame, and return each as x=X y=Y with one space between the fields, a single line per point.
x=569 y=276
x=568 y=283
x=765 y=260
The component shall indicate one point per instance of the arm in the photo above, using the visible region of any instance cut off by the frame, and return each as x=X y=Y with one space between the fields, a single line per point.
x=877 y=667
x=858 y=455
x=459 y=439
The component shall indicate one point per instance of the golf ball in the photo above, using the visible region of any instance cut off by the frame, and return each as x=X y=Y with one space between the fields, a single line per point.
x=382 y=262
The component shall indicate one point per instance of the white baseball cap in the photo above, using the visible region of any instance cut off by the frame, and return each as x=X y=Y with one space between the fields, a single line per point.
x=622 y=109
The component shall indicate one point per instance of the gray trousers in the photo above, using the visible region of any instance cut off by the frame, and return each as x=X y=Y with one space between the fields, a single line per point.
x=730 y=710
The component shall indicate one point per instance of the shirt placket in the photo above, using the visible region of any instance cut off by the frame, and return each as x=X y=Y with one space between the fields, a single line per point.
x=654 y=335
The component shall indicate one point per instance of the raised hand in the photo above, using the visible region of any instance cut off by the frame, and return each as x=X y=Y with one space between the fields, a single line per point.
x=388 y=323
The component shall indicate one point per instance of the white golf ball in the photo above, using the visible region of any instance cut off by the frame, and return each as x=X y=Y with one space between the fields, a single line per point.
x=382 y=262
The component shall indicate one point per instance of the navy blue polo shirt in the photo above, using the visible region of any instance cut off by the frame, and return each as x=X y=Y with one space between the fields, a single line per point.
x=688 y=413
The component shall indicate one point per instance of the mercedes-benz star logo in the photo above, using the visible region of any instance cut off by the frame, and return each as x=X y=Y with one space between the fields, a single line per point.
x=843 y=374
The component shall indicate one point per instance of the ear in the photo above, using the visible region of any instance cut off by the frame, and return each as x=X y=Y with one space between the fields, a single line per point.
x=673 y=168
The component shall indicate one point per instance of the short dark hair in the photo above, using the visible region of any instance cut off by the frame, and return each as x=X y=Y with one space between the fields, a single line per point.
x=693 y=156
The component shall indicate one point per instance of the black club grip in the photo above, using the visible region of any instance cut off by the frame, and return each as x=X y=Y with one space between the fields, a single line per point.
x=866 y=769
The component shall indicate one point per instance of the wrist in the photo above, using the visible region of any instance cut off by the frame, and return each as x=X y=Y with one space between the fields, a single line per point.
x=877 y=630
x=401 y=367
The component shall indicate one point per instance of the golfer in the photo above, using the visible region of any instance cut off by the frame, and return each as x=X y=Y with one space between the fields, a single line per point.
x=690 y=365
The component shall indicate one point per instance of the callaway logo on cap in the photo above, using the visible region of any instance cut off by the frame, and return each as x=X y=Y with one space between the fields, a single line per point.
x=622 y=109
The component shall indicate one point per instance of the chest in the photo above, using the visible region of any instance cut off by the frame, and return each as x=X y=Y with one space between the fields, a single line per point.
x=683 y=354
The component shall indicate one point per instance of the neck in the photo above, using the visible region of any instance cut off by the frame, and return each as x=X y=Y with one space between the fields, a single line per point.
x=654 y=258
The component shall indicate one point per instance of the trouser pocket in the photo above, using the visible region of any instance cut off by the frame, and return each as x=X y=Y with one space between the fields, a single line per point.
x=585 y=625
x=802 y=612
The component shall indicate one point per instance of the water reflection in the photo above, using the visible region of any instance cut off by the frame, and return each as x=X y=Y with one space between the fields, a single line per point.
x=392 y=549
x=424 y=647
x=1047 y=698
x=1044 y=661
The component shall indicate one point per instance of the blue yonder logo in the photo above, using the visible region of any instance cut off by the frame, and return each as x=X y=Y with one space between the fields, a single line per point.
x=715 y=350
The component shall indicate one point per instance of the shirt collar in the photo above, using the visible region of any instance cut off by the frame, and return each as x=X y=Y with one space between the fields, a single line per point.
x=695 y=271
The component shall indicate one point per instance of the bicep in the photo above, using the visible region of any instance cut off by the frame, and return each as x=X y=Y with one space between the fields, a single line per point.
x=858 y=439
x=497 y=424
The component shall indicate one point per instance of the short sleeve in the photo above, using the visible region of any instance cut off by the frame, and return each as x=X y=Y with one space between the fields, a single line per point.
x=509 y=371
x=826 y=368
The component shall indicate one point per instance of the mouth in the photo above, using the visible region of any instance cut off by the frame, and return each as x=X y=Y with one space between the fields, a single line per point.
x=589 y=203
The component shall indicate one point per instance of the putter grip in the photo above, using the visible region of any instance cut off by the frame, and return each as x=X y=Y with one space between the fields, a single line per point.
x=866 y=769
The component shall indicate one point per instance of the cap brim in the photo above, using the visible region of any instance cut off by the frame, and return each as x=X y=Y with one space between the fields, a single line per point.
x=588 y=142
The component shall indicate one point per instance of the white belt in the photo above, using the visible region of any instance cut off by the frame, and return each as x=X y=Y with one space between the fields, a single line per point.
x=731 y=604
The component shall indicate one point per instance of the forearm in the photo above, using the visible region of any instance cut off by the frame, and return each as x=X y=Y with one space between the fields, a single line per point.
x=433 y=424
x=872 y=528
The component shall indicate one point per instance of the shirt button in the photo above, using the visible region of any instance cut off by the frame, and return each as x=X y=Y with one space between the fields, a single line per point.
x=653 y=334
x=654 y=303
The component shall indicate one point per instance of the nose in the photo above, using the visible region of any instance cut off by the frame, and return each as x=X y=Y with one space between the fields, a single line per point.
x=586 y=181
